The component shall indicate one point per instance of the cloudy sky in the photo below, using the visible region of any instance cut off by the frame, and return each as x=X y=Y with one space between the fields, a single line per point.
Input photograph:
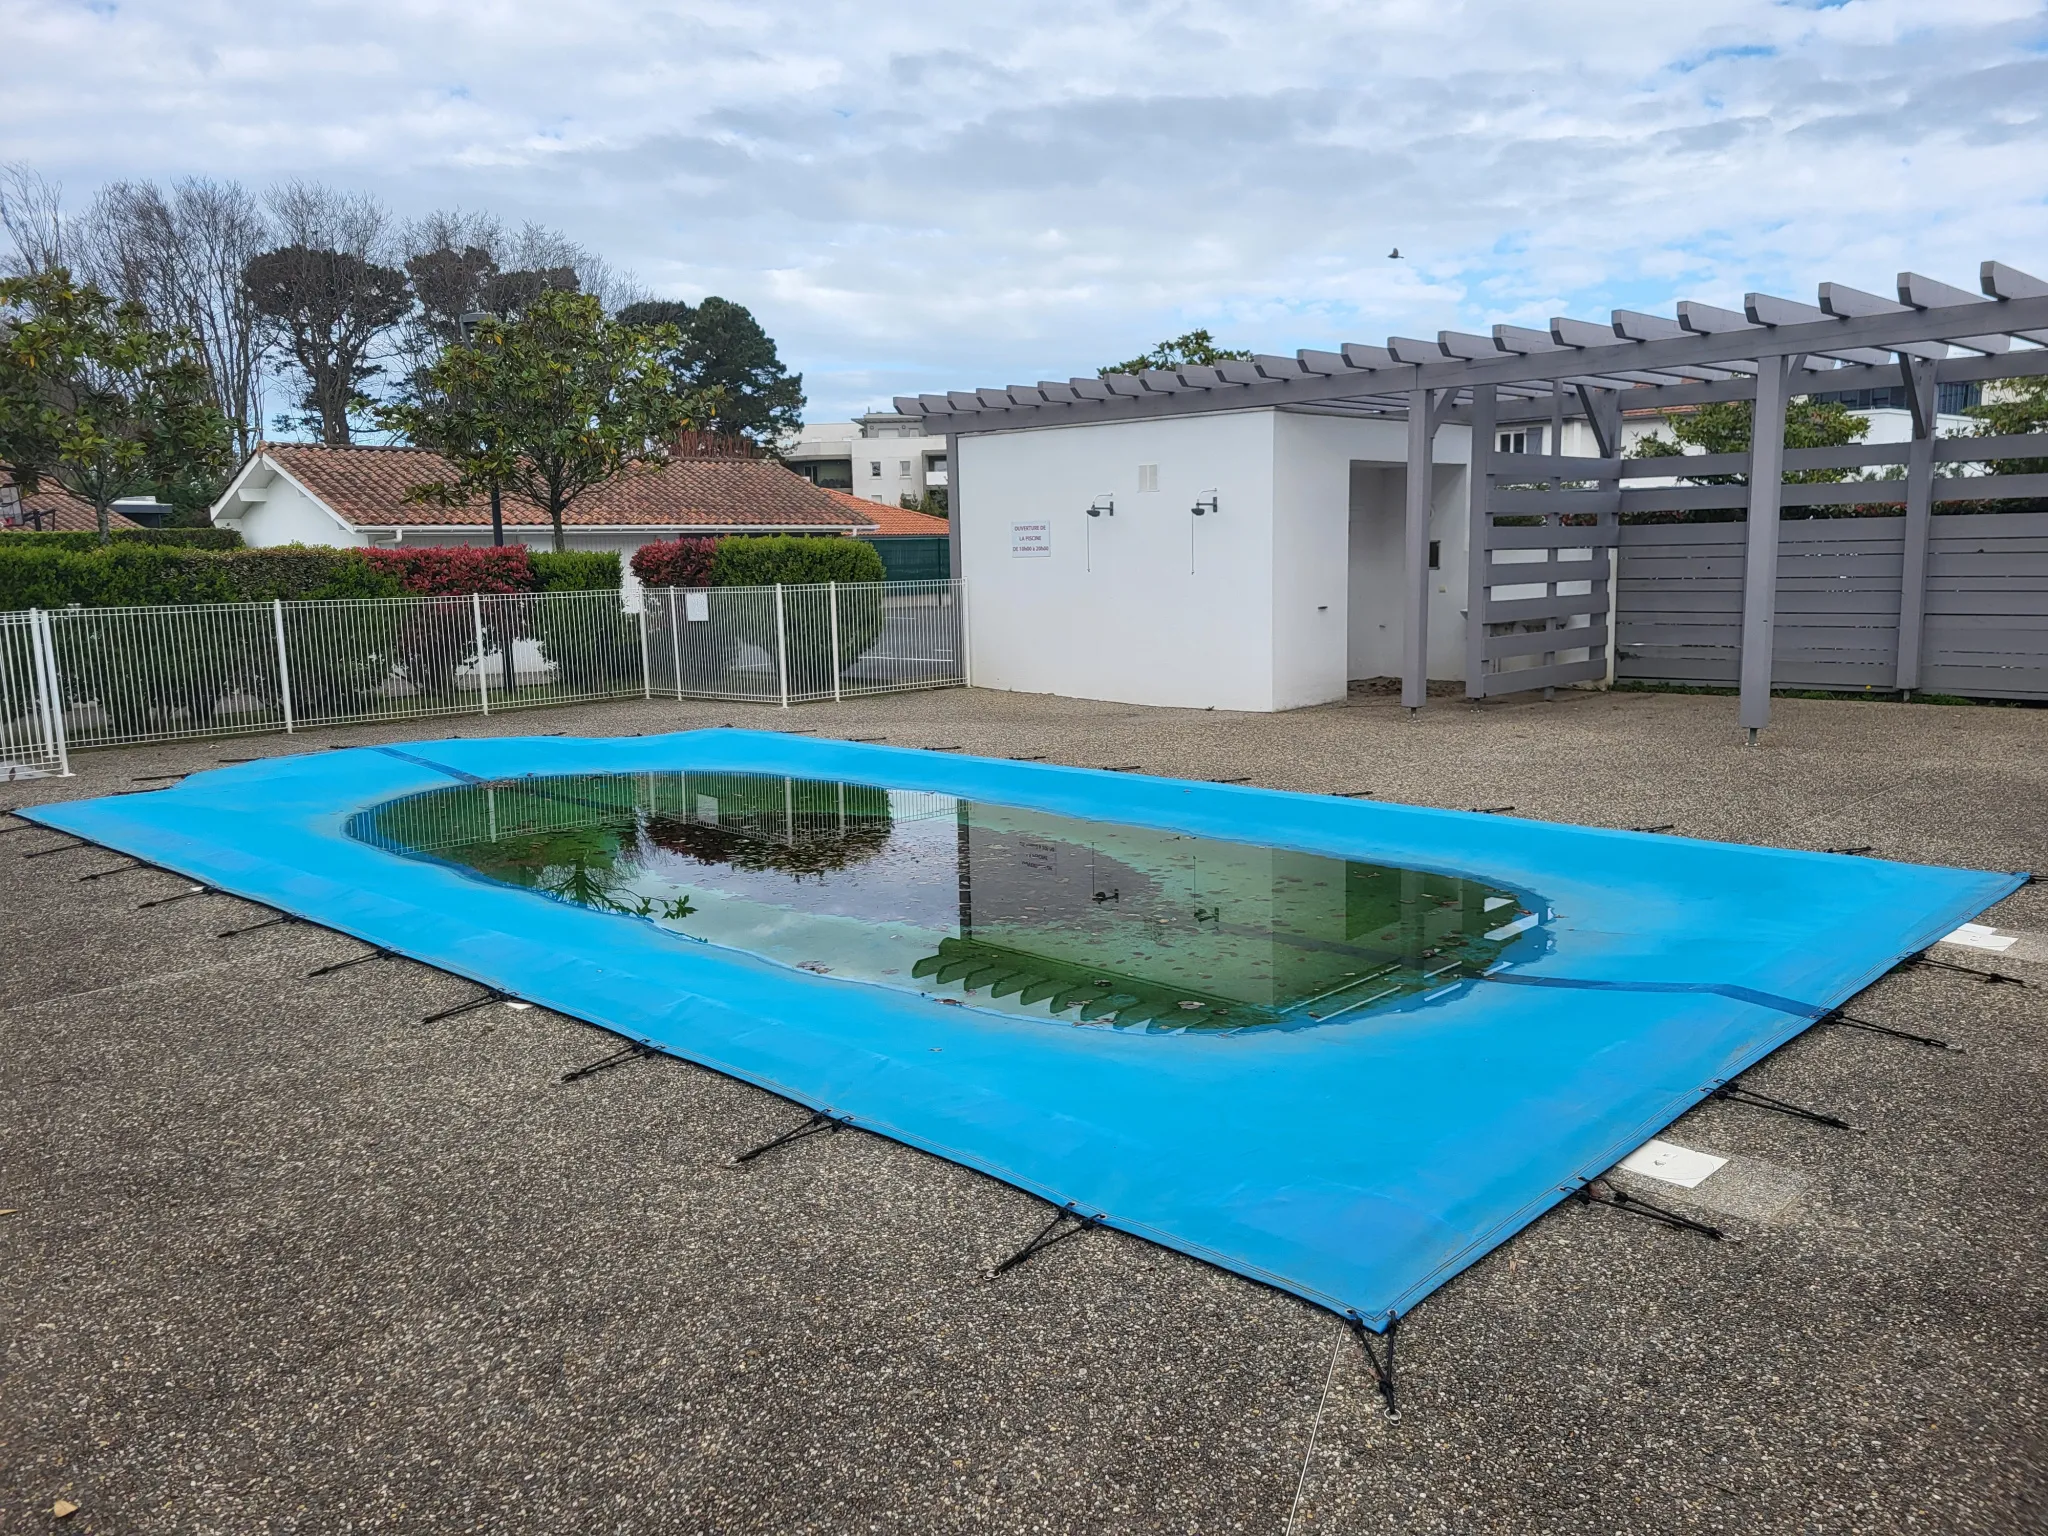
x=922 y=197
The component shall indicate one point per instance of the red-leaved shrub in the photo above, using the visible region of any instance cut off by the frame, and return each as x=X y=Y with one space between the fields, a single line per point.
x=457 y=569
x=682 y=562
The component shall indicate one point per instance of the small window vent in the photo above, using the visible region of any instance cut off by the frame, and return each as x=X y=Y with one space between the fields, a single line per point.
x=1148 y=477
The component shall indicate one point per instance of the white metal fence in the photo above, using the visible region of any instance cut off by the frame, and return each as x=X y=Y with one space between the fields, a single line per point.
x=791 y=645
x=93 y=677
x=31 y=732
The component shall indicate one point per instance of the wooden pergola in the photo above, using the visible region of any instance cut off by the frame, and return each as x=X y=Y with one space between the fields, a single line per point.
x=1931 y=334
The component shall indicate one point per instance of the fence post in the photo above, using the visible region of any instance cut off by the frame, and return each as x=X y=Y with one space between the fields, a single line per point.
x=284 y=667
x=832 y=597
x=49 y=693
x=675 y=641
x=646 y=667
x=483 y=683
x=781 y=647
x=959 y=586
x=507 y=660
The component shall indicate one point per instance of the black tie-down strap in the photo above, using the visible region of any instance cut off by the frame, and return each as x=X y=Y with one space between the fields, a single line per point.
x=185 y=895
x=1055 y=1231
x=1849 y=1020
x=342 y=965
x=268 y=922
x=117 y=869
x=490 y=995
x=1600 y=1192
x=1989 y=978
x=47 y=853
x=1382 y=1366
x=819 y=1121
x=632 y=1050
x=1735 y=1094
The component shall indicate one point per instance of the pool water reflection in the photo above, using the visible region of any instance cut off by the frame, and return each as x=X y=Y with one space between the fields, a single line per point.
x=1021 y=911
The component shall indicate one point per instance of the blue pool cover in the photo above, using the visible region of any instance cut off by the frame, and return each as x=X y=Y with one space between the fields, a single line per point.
x=1359 y=1164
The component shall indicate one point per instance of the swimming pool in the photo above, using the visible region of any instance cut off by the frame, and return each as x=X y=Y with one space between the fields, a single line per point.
x=1344 y=1048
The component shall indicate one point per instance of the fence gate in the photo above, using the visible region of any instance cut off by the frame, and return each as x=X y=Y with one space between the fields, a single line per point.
x=31 y=727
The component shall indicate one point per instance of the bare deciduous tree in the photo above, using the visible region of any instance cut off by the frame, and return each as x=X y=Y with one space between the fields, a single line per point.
x=182 y=253
x=32 y=213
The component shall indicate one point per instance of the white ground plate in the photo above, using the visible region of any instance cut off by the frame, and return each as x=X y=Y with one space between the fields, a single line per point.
x=1977 y=936
x=1673 y=1164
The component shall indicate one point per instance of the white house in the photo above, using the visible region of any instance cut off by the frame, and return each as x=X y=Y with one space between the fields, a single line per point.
x=308 y=493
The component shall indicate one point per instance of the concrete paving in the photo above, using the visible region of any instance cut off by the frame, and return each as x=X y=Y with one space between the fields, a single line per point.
x=279 y=1258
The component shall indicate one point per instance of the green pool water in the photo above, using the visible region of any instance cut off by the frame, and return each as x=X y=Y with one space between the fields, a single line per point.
x=1025 y=912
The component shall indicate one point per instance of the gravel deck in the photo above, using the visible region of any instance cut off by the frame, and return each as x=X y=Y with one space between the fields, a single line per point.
x=279 y=1258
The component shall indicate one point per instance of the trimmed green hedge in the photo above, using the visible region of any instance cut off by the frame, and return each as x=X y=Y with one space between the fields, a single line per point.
x=762 y=562
x=139 y=575
x=576 y=570
x=189 y=538
x=132 y=573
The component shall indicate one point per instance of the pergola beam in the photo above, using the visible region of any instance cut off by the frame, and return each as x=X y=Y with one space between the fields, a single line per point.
x=1713 y=338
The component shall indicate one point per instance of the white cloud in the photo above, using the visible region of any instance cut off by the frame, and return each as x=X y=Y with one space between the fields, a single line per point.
x=917 y=199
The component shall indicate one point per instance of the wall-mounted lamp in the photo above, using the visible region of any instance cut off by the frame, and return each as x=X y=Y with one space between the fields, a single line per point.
x=1103 y=506
x=1206 y=507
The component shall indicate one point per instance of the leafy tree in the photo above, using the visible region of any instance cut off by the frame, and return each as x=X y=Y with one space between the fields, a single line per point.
x=1197 y=349
x=95 y=398
x=548 y=406
x=1724 y=426
x=721 y=346
x=327 y=309
x=2021 y=406
x=451 y=283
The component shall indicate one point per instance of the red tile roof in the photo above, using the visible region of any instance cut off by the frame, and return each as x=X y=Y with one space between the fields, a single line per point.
x=367 y=487
x=891 y=522
x=61 y=511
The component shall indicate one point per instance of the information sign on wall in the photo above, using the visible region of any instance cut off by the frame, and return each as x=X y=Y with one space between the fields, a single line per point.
x=1028 y=540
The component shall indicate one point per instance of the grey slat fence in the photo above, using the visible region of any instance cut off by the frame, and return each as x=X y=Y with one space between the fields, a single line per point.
x=1678 y=604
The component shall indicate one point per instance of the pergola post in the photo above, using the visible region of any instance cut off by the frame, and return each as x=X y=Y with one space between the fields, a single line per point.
x=1920 y=392
x=1478 y=538
x=1415 y=617
x=1760 y=567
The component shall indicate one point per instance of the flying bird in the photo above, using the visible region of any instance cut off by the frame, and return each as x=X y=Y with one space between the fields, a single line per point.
x=1394 y=254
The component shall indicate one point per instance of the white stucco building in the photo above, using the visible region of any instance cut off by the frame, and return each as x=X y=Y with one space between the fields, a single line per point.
x=883 y=456
x=1092 y=575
